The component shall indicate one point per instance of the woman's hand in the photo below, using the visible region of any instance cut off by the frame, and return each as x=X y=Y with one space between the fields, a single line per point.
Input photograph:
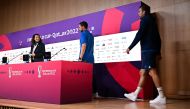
x=33 y=54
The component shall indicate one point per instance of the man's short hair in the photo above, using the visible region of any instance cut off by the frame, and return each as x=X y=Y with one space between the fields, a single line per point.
x=84 y=23
x=145 y=8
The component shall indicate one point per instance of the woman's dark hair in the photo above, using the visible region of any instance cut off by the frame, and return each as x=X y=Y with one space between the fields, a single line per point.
x=145 y=8
x=33 y=37
x=84 y=23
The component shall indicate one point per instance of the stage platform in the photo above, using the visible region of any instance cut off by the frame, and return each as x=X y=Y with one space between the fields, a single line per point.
x=98 y=103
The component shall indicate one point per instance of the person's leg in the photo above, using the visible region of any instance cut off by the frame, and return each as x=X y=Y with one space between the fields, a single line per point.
x=133 y=96
x=161 y=98
x=153 y=73
x=143 y=75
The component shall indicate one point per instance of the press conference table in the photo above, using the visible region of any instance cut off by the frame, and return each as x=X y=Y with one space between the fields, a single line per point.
x=56 y=82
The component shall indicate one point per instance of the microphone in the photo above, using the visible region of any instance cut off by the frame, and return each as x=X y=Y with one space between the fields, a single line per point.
x=15 y=57
x=58 y=52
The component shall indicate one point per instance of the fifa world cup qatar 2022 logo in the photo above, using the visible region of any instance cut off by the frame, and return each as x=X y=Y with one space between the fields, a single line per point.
x=45 y=72
x=39 y=71
x=10 y=72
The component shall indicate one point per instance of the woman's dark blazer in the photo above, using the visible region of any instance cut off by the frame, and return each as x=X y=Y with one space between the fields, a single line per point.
x=39 y=52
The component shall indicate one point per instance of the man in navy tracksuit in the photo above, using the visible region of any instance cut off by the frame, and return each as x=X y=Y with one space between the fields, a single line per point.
x=149 y=38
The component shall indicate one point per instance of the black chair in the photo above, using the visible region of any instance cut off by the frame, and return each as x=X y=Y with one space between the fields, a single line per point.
x=26 y=58
x=4 y=60
x=47 y=56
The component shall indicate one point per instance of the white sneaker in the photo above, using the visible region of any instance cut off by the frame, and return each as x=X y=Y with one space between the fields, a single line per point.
x=95 y=95
x=158 y=100
x=131 y=96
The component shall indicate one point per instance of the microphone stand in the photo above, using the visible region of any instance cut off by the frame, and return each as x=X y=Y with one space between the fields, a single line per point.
x=14 y=58
x=58 y=52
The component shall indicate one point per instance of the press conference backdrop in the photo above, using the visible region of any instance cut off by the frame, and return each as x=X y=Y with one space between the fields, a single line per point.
x=108 y=48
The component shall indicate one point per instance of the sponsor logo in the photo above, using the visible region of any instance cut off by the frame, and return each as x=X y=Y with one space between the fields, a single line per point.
x=30 y=71
x=77 y=71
